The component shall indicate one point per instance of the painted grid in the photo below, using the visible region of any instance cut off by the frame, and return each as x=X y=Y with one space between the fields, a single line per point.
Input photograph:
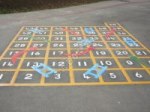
x=53 y=43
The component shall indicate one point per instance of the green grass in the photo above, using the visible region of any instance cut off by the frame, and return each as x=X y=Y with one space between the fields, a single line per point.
x=12 y=6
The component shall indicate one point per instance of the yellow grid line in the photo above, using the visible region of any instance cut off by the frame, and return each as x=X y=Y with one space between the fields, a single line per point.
x=131 y=50
x=71 y=74
x=123 y=57
x=113 y=56
x=119 y=64
x=64 y=84
x=46 y=55
x=92 y=57
x=52 y=41
x=20 y=63
x=134 y=37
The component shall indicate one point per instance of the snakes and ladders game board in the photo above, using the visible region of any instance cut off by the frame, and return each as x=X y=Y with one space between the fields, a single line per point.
x=74 y=56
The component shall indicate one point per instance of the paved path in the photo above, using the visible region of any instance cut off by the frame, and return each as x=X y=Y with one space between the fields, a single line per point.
x=133 y=14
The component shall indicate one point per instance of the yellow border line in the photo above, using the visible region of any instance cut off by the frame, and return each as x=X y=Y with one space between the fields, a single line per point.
x=77 y=84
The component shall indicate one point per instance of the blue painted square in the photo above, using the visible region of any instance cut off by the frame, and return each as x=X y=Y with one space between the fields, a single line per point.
x=96 y=68
x=41 y=67
x=89 y=31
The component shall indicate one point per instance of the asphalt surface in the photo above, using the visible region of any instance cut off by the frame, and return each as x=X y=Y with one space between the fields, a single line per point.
x=132 y=14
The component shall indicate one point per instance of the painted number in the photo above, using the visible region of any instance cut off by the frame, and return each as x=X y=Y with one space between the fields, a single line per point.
x=76 y=33
x=19 y=45
x=39 y=38
x=12 y=52
x=86 y=77
x=97 y=44
x=28 y=76
x=58 y=45
x=57 y=76
x=59 y=33
x=44 y=33
x=101 y=53
x=60 y=64
x=140 y=53
x=84 y=63
x=109 y=63
x=26 y=33
x=148 y=61
x=94 y=38
x=35 y=53
x=112 y=75
x=115 y=44
x=129 y=62
x=76 y=38
x=120 y=53
x=1 y=76
x=58 y=38
x=7 y=64
x=74 y=28
x=138 y=75
x=59 y=52
x=23 y=38
x=38 y=45
x=112 y=38
x=43 y=28
x=34 y=64
x=76 y=45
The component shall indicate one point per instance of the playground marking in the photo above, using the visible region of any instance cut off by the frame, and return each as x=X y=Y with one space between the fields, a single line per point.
x=58 y=49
